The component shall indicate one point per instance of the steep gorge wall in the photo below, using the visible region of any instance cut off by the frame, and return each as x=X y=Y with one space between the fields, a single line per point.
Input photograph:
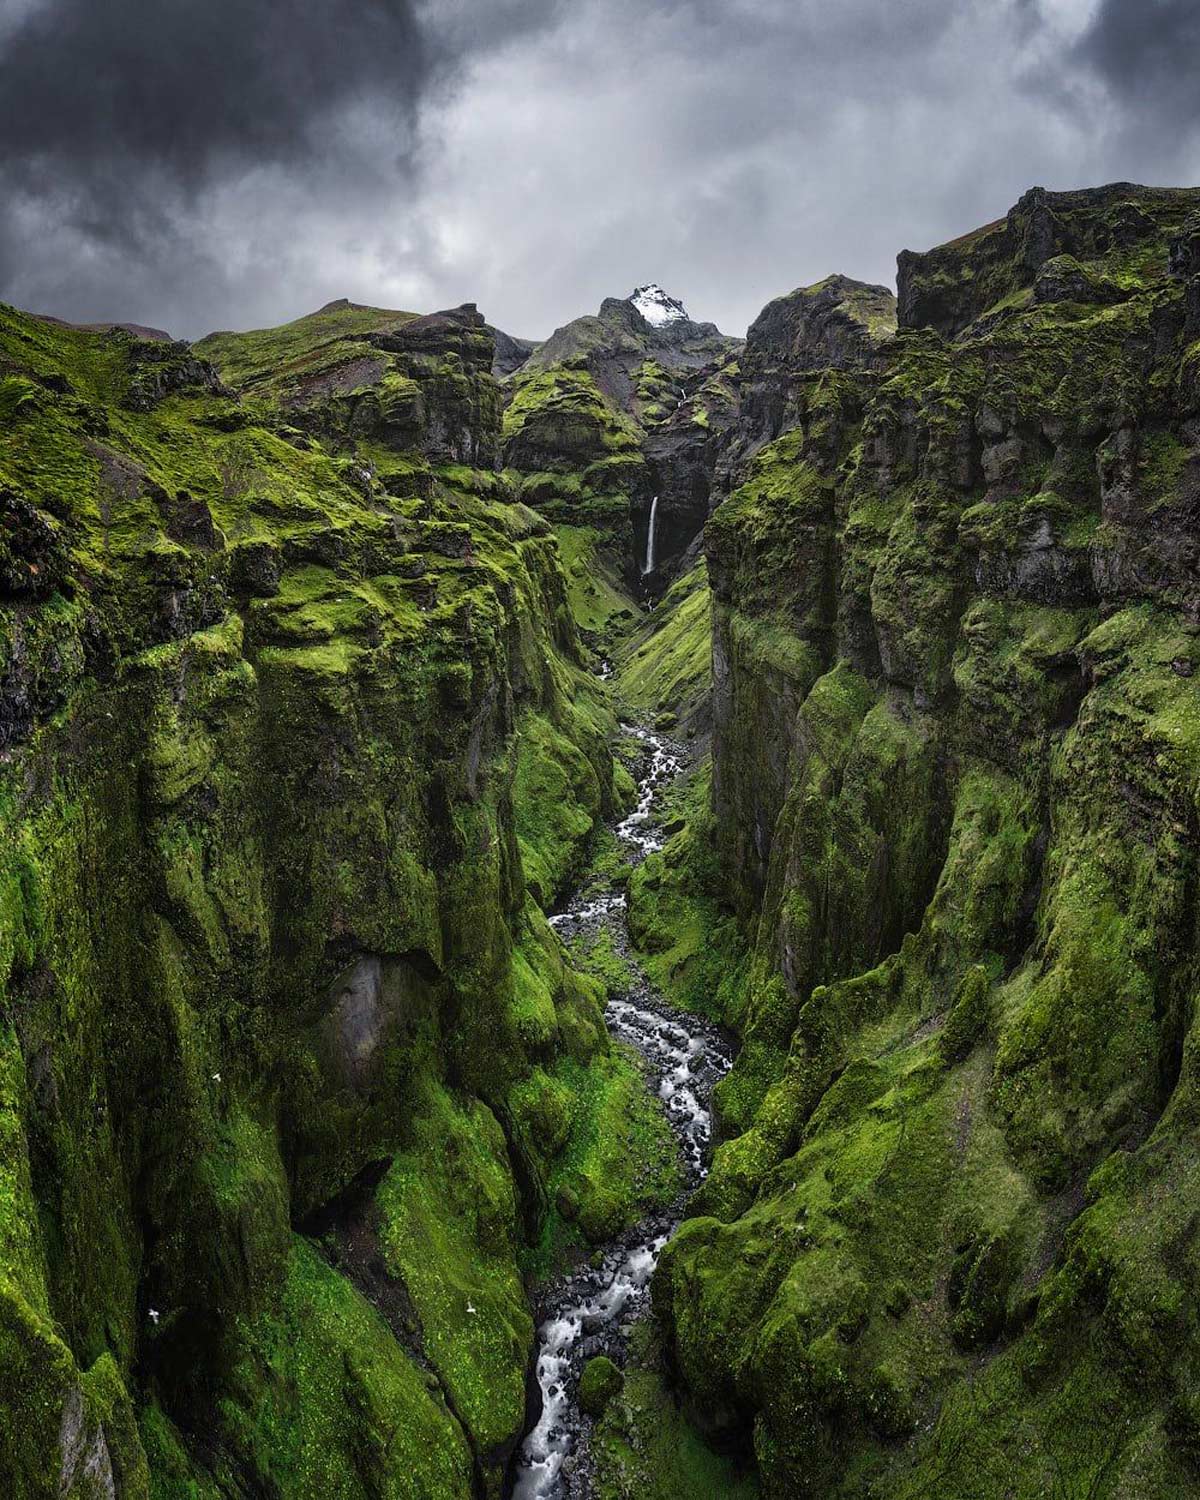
x=947 y=1246
x=290 y=704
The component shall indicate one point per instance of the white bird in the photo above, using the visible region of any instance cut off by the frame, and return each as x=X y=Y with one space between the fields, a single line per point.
x=154 y=1315
x=216 y=1077
x=470 y=1308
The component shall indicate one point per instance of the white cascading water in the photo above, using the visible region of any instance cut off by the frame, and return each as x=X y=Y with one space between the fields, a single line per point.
x=649 y=567
x=592 y=1308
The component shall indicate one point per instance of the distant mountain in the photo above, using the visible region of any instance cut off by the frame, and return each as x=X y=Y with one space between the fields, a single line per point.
x=135 y=330
x=656 y=306
x=626 y=333
x=581 y=407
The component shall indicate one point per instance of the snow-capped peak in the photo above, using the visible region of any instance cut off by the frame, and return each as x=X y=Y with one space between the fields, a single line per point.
x=655 y=306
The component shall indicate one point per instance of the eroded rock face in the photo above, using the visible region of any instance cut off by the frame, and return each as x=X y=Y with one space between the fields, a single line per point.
x=159 y=369
x=86 y=1464
x=511 y=353
x=418 y=385
x=949 y=287
x=682 y=453
x=290 y=700
x=703 y=448
x=956 y=590
x=837 y=324
x=584 y=426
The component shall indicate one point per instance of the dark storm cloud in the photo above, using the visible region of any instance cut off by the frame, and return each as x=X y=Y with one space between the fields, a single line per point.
x=1146 y=51
x=186 y=87
x=121 y=121
x=117 y=117
x=195 y=163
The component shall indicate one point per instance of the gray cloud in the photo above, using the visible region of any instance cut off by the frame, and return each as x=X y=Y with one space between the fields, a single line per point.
x=242 y=161
x=187 y=88
x=1146 y=51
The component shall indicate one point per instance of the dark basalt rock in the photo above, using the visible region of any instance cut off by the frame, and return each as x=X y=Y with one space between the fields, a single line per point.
x=32 y=558
x=1184 y=253
x=956 y=601
x=159 y=369
x=838 y=323
x=188 y=520
x=1063 y=279
x=459 y=330
x=682 y=453
x=511 y=353
x=254 y=570
x=949 y=287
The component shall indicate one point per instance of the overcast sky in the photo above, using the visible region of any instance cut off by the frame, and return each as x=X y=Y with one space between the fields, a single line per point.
x=200 y=164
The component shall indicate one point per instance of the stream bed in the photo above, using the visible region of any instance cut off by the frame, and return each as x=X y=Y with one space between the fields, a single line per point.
x=591 y=1309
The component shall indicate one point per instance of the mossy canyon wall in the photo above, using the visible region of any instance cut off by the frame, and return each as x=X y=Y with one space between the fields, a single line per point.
x=948 y=1244
x=299 y=741
x=295 y=730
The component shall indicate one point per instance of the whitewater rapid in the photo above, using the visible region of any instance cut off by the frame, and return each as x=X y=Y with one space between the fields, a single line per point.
x=591 y=1311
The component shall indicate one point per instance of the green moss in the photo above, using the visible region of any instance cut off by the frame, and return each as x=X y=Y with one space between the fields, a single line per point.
x=689 y=944
x=261 y=885
x=324 y=1401
x=312 y=341
x=968 y=1017
x=558 y=798
x=667 y=664
x=449 y=1233
x=608 y=1150
x=597 y=955
x=600 y=1382
x=569 y=405
x=646 y=1448
x=595 y=590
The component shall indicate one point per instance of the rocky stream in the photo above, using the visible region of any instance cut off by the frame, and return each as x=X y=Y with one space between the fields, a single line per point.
x=590 y=1310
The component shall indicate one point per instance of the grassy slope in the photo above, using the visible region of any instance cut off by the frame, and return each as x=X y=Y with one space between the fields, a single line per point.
x=272 y=357
x=665 y=666
x=601 y=607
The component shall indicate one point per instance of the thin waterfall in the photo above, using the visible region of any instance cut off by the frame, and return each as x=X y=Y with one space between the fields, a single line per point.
x=649 y=568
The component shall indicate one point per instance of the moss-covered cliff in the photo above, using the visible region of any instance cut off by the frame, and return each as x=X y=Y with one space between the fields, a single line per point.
x=948 y=1245
x=613 y=410
x=299 y=1090
x=296 y=746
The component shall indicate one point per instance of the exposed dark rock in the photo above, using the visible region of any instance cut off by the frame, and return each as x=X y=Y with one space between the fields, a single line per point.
x=32 y=558
x=949 y=287
x=511 y=353
x=159 y=369
x=836 y=324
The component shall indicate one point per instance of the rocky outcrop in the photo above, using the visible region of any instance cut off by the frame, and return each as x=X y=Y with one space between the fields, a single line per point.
x=1122 y=228
x=955 y=750
x=682 y=453
x=838 y=324
x=351 y=374
x=511 y=353
x=160 y=369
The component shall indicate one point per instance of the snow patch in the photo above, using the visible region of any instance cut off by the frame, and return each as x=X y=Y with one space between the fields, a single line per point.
x=656 y=306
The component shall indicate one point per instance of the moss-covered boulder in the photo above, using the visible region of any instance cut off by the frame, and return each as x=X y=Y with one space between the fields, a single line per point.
x=600 y=1382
